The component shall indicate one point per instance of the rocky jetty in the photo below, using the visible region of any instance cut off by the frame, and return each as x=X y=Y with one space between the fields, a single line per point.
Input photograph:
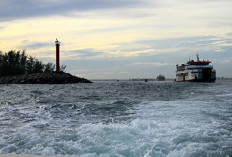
x=43 y=78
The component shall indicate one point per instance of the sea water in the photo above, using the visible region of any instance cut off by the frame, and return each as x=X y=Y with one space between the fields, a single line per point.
x=131 y=119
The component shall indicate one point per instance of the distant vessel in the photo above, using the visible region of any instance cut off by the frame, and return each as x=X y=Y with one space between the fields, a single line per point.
x=160 y=78
x=195 y=71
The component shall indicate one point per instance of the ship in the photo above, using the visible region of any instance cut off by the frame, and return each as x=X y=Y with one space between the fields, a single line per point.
x=160 y=78
x=195 y=71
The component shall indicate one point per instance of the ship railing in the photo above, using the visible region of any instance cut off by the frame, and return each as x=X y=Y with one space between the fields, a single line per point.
x=197 y=67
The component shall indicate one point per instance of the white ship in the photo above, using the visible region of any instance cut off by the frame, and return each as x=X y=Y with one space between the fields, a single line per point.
x=195 y=71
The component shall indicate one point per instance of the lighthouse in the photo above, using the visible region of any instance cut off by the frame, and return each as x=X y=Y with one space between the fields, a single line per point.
x=57 y=55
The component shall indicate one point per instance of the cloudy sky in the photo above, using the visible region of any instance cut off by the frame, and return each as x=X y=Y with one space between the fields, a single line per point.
x=121 y=39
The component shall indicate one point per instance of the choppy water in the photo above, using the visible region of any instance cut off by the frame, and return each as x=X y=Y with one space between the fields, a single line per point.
x=131 y=119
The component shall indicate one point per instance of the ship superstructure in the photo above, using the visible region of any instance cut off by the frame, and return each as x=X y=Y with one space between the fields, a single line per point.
x=160 y=78
x=195 y=71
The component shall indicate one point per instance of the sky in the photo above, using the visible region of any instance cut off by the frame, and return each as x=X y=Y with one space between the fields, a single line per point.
x=120 y=39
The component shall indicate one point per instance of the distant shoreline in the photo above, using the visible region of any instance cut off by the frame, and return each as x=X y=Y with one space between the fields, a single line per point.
x=129 y=80
x=149 y=80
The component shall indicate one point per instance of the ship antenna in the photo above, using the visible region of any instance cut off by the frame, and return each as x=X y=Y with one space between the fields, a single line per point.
x=198 y=58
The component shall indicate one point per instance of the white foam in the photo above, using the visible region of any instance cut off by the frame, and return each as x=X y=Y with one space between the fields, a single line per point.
x=224 y=95
x=47 y=123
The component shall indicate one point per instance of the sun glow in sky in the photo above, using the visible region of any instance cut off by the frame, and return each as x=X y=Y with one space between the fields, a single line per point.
x=120 y=39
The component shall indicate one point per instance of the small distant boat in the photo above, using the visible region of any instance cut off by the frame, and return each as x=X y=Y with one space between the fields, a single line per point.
x=195 y=71
x=160 y=78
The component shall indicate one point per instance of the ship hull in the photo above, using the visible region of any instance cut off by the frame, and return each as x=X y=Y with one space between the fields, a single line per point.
x=201 y=75
x=195 y=80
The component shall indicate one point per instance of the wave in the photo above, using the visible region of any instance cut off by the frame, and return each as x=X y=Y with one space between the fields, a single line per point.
x=116 y=119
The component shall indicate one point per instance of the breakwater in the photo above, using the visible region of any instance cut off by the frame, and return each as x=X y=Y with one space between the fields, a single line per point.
x=43 y=78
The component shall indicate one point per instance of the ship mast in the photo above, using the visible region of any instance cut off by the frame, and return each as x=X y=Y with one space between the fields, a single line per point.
x=198 y=58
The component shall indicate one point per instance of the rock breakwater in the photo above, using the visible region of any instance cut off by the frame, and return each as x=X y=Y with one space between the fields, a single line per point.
x=43 y=78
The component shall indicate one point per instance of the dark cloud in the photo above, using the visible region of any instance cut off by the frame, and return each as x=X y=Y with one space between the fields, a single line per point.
x=197 y=41
x=209 y=1
x=102 y=63
x=179 y=50
x=190 y=44
x=15 y=9
x=227 y=49
x=28 y=45
x=184 y=47
x=86 y=53
x=1 y=27
x=229 y=34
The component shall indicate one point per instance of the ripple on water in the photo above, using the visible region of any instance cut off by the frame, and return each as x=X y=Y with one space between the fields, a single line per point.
x=116 y=119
